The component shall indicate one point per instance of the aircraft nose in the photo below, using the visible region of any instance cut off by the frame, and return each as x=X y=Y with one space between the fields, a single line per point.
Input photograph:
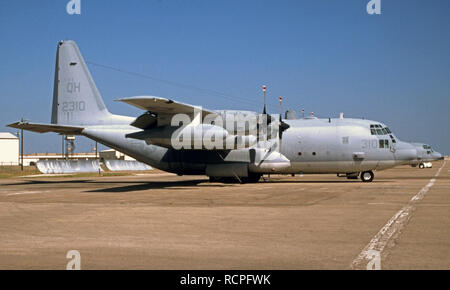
x=405 y=153
x=437 y=156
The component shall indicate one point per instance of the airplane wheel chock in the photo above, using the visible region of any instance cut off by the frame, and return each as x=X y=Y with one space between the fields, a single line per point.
x=367 y=176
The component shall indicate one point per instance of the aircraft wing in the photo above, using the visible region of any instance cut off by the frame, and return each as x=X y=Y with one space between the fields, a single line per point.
x=44 y=128
x=163 y=106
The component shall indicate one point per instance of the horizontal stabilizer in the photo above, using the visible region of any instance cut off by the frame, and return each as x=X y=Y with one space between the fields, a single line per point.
x=44 y=128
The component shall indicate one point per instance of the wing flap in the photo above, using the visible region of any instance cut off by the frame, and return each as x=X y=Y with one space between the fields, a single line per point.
x=44 y=128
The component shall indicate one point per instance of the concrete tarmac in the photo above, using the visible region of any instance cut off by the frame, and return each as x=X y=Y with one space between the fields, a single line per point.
x=164 y=221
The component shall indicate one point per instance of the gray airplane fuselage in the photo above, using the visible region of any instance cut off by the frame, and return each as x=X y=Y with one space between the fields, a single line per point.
x=311 y=145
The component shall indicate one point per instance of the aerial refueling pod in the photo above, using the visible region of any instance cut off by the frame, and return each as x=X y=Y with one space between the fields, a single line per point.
x=201 y=136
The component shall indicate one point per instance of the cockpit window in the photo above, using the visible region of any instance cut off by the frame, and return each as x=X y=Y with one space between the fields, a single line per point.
x=392 y=139
x=377 y=129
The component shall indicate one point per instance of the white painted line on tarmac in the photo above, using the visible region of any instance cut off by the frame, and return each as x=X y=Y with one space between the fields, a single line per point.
x=393 y=226
x=25 y=192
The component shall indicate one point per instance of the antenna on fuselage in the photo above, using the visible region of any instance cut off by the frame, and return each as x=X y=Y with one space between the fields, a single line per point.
x=281 y=109
x=264 y=92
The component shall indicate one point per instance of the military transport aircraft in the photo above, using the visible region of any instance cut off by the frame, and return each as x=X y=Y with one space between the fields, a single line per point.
x=186 y=139
x=425 y=154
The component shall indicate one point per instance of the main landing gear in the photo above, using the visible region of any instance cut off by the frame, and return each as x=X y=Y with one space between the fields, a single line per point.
x=367 y=176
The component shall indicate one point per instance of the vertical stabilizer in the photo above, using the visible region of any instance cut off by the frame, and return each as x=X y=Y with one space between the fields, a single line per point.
x=76 y=99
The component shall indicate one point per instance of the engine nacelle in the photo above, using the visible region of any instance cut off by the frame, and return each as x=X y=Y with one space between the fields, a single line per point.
x=269 y=162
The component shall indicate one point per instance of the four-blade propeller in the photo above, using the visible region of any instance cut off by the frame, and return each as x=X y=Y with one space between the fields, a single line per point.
x=267 y=119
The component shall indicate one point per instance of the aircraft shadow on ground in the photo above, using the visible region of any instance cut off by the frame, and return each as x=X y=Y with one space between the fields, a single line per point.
x=183 y=184
x=173 y=185
x=134 y=185
x=31 y=182
x=127 y=186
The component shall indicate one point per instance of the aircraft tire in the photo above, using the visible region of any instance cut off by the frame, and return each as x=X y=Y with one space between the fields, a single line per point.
x=252 y=178
x=367 y=176
x=421 y=166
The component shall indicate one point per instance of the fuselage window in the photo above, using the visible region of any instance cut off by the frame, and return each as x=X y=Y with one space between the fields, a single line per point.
x=299 y=153
x=387 y=130
x=384 y=131
x=379 y=132
x=344 y=140
x=314 y=153
x=381 y=143
x=373 y=132
x=386 y=143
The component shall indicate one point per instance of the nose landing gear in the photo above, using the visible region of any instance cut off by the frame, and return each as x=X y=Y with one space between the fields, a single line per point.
x=367 y=176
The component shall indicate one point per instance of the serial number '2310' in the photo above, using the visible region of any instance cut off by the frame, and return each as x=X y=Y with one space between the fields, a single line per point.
x=73 y=106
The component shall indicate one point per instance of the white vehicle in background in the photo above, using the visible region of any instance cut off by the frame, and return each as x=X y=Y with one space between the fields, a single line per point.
x=425 y=165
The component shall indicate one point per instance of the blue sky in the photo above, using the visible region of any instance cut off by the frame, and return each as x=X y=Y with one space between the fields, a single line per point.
x=322 y=55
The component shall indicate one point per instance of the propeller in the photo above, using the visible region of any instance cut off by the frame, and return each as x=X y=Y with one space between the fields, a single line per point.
x=269 y=119
x=283 y=126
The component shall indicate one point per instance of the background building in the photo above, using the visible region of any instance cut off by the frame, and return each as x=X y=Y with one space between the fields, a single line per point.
x=9 y=149
x=111 y=154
